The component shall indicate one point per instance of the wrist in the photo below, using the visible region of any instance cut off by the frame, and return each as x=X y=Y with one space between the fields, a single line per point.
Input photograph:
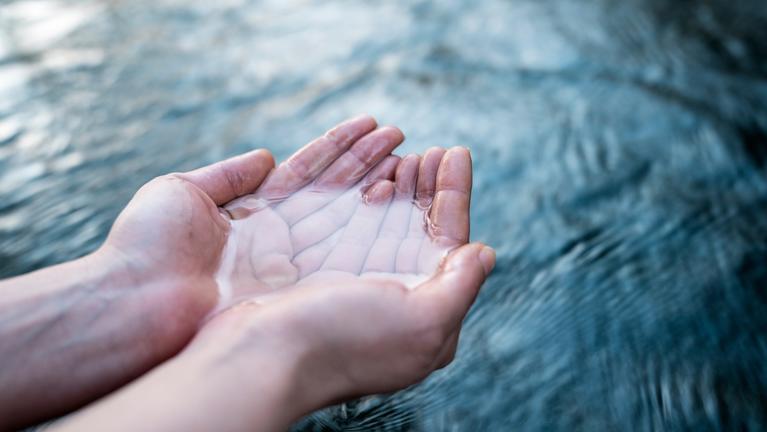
x=95 y=323
x=172 y=306
x=219 y=382
x=253 y=355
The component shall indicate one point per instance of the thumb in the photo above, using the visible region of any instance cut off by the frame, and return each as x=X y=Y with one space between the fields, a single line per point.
x=452 y=291
x=229 y=179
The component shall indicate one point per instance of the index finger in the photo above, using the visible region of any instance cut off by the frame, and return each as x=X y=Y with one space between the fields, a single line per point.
x=312 y=159
x=361 y=157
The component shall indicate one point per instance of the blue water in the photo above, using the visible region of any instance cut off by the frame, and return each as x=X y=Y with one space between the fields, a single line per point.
x=621 y=171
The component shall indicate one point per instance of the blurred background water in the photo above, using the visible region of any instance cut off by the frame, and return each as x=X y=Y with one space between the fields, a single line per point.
x=620 y=152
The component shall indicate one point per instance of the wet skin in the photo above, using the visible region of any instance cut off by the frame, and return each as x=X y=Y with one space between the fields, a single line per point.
x=339 y=321
x=358 y=220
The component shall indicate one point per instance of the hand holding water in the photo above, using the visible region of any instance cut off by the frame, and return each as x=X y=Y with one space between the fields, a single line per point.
x=343 y=271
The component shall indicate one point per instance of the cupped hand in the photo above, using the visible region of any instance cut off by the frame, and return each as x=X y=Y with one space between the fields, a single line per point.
x=171 y=236
x=362 y=263
x=361 y=213
x=347 y=241
x=347 y=272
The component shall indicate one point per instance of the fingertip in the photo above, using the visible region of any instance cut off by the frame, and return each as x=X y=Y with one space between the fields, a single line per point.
x=234 y=177
x=455 y=170
x=487 y=258
x=380 y=192
x=266 y=156
x=457 y=160
x=349 y=131
x=461 y=255
x=362 y=119
x=363 y=116
x=435 y=150
x=392 y=158
x=395 y=131
x=479 y=251
x=362 y=157
x=456 y=285
x=463 y=150
x=412 y=157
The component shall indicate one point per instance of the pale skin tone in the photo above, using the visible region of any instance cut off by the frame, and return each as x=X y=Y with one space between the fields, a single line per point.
x=312 y=316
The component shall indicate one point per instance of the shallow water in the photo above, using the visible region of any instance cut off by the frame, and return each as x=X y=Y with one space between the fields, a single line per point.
x=620 y=165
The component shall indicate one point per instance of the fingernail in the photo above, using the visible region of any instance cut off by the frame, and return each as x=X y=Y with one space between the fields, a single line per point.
x=487 y=258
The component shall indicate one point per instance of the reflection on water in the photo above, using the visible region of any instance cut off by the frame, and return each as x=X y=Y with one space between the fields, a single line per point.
x=620 y=157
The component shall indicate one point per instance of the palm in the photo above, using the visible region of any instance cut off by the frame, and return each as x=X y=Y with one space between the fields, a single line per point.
x=370 y=228
x=341 y=207
x=363 y=214
x=171 y=225
x=345 y=223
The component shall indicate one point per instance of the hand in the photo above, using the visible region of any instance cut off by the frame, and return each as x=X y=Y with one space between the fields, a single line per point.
x=76 y=331
x=317 y=340
x=337 y=261
x=344 y=216
x=333 y=253
x=172 y=234
x=308 y=333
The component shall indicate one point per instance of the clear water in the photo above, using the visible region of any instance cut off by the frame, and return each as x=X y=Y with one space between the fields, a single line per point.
x=620 y=172
x=321 y=235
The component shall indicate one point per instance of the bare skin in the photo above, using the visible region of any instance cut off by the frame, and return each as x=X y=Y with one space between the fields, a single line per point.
x=325 y=334
x=73 y=332
x=364 y=217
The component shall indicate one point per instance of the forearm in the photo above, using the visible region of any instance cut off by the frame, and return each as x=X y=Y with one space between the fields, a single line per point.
x=217 y=383
x=73 y=332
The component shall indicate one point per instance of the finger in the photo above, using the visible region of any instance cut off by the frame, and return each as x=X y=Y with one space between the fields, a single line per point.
x=385 y=170
x=311 y=160
x=383 y=253
x=453 y=289
x=449 y=214
x=380 y=193
x=427 y=175
x=226 y=180
x=307 y=203
x=406 y=177
x=351 y=166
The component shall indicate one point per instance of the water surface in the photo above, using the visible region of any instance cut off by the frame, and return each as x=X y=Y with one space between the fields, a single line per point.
x=620 y=165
